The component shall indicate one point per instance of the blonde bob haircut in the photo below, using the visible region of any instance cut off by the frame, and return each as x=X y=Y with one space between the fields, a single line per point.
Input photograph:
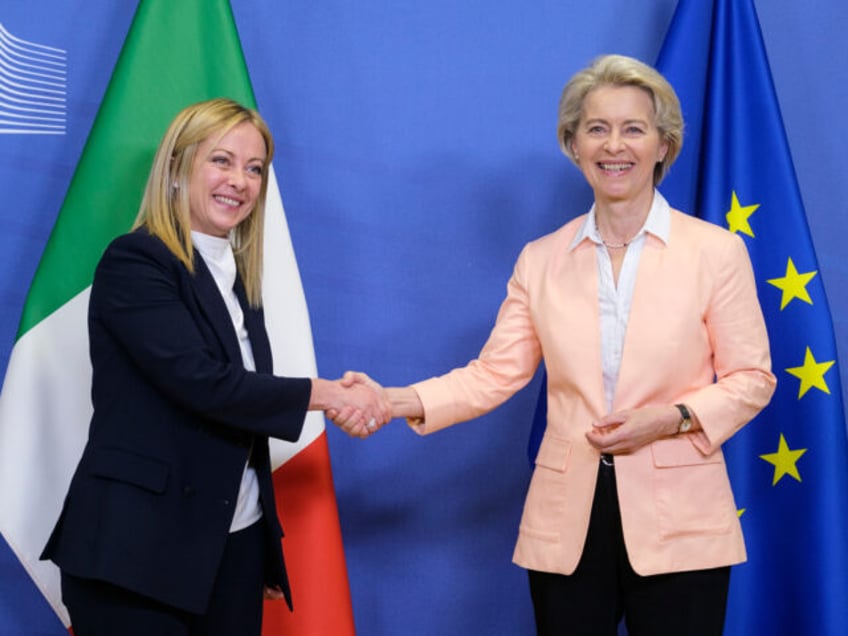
x=619 y=70
x=164 y=210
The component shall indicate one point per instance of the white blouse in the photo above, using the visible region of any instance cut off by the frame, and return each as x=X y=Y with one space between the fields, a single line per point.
x=217 y=253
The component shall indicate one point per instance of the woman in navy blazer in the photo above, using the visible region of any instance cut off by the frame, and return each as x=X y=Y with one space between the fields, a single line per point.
x=169 y=526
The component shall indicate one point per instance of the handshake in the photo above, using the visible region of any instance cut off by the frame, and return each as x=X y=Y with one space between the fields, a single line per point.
x=360 y=406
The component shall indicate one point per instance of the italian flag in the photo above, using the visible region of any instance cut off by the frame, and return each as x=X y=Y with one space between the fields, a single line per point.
x=176 y=53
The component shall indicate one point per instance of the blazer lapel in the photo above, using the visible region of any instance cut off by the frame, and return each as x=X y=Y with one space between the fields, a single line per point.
x=586 y=326
x=212 y=305
x=254 y=321
x=567 y=319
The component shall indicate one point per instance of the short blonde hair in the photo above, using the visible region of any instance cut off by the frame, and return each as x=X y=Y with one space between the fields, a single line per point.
x=620 y=70
x=164 y=209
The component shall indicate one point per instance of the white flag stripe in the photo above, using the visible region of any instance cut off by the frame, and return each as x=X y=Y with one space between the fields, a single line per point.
x=45 y=408
x=286 y=316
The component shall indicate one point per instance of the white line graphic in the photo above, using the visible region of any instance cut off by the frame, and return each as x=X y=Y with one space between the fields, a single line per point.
x=33 y=87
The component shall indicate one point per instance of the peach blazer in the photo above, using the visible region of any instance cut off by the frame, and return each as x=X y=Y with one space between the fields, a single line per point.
x=695 y=334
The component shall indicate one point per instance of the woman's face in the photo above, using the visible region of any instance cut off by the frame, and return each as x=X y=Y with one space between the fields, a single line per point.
x=225 y=181
x=617 y=143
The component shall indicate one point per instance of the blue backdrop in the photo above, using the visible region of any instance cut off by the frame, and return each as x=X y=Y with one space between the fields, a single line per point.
x=416 y=155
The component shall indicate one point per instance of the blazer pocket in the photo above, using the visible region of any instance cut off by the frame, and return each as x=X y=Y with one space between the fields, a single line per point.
x=692 y=491
x=545 y=505
x=121 y=465
x=554 y=453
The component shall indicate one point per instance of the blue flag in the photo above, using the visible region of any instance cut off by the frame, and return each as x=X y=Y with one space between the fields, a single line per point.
x=789 y=467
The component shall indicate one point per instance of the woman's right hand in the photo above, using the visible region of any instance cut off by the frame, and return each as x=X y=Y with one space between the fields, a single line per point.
x=358 y=408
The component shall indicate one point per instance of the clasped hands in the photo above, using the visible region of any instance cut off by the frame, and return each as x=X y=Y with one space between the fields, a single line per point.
x=629 y=430
x=358 y=405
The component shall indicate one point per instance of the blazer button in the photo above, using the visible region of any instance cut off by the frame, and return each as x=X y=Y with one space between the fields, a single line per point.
x=226 y=502
x=188 y=491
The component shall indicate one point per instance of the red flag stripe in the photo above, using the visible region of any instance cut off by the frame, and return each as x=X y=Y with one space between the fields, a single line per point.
x=315 y=560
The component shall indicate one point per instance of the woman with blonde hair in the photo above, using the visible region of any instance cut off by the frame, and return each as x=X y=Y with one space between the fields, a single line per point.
x=170 y=525
x=656 y=353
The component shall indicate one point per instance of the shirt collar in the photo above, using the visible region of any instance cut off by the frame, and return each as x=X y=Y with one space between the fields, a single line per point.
x=217 y=253
x=658 y=223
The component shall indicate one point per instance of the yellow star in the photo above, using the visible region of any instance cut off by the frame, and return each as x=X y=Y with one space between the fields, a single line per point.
x=740 y=512
x=784 y=461
x=737 y=217
x=794 y=285
x=811 y=374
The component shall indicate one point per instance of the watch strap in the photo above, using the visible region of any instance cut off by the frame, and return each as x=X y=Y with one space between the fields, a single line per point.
x=685 y=419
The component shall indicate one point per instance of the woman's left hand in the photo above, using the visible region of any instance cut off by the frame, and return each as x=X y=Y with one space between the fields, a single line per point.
x=627 y=431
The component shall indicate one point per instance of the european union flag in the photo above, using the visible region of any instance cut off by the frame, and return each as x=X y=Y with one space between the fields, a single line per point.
x=789 y=467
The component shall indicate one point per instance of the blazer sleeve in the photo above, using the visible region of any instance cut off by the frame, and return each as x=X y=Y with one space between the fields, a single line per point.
x=143 y=300
x=741 y=358
x=506 y=364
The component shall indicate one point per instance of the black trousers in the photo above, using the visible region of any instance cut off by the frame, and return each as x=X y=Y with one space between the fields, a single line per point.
x=604 y=588
x=101 y=609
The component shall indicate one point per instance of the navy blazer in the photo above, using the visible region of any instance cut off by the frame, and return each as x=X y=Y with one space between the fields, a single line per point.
x=175 y=417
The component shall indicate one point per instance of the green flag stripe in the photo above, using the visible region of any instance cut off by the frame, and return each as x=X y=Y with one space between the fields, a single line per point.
x=176 y=53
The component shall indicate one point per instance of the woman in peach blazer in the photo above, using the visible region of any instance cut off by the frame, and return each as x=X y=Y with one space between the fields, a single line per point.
x=656 y=353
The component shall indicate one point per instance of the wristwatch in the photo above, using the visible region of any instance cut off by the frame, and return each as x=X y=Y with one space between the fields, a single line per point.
x=685 y=419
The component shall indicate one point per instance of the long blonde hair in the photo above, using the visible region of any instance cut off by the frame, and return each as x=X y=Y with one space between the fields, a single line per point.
x=165 y=211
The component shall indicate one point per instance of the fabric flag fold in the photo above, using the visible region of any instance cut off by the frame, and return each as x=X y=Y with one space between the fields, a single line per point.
x=175 y=54
x=789 y=467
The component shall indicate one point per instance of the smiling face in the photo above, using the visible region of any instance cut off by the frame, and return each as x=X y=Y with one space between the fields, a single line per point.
x=226 y=179
x=617 y=143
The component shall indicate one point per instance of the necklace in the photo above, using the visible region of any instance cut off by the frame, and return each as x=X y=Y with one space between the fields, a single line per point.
x=612 y=246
